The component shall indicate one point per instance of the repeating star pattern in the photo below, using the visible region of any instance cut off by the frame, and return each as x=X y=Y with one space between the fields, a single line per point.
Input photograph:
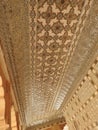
x=40 y=37
x=56 y=23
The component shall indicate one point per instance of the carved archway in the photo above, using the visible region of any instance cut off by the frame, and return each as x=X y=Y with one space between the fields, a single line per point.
x=3 y=124
x=9 y=117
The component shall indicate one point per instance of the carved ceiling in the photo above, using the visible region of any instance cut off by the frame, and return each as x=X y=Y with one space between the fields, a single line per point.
x=46 y=44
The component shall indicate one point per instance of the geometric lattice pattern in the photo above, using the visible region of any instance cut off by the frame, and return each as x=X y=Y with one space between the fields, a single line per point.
x=82 y=110
x=46 y=44
x=52 y=27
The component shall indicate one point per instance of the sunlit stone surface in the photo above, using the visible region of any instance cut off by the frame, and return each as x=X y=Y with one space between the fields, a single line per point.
x=66 y=127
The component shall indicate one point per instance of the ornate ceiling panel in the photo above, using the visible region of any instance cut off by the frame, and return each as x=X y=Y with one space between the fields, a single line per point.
x=46 y=45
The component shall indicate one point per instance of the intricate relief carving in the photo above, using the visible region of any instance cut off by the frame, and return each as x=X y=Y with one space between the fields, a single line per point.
x=39 y=40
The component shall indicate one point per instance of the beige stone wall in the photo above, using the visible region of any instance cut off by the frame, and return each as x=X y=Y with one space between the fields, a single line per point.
x=81 y=111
